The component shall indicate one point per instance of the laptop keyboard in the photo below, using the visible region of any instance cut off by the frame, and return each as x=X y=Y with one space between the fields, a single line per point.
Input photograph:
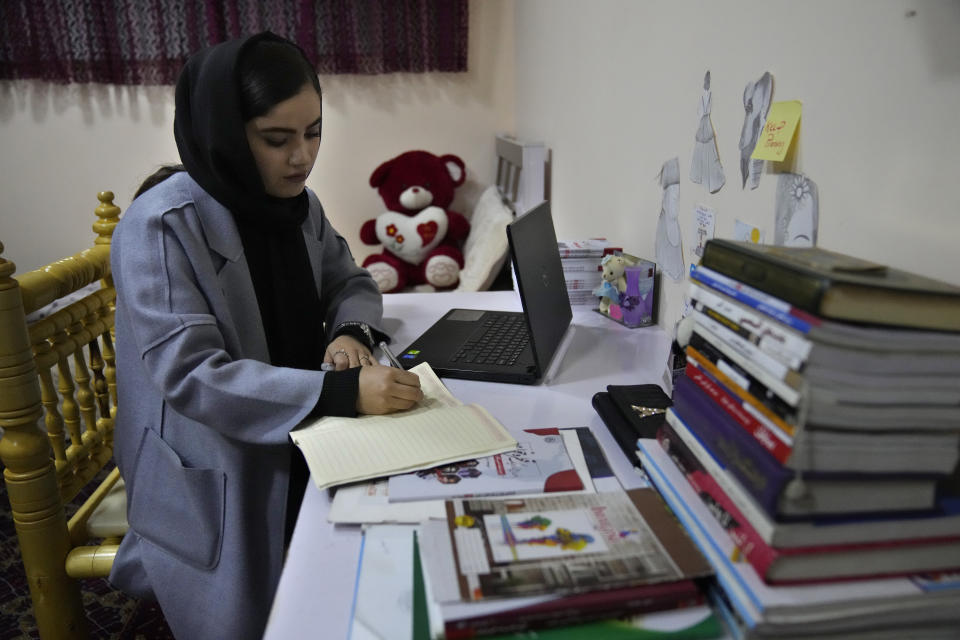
x=500 y=340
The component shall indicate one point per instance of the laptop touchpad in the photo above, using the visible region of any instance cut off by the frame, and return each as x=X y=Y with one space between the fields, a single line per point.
x=466 y=315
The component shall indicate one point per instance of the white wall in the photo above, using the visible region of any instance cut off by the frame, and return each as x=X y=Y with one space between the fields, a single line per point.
x=612 y=87
x=60 y=145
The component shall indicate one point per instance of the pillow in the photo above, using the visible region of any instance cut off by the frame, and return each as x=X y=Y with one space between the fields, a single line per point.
x=486 y=246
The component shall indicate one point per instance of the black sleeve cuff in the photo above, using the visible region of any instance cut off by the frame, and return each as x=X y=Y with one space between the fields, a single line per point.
x=338 y=397
x=356 y=332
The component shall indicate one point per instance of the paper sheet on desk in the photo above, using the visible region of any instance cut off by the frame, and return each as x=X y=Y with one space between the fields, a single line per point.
x=383 y=600
x=439 y=430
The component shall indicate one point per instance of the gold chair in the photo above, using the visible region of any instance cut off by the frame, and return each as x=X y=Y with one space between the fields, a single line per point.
x=60 y=368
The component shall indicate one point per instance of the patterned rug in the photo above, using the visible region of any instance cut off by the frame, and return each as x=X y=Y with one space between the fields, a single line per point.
x=110 y=613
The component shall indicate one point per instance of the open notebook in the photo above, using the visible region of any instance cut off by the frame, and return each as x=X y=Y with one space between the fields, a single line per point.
x=439 y=430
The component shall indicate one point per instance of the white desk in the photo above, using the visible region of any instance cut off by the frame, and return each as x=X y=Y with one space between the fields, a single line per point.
x=316 y=588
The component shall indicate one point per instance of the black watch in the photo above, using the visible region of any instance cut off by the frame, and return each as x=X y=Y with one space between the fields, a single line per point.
x=356 y=329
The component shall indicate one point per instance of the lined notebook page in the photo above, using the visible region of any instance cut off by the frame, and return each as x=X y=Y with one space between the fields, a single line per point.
x=439 y=430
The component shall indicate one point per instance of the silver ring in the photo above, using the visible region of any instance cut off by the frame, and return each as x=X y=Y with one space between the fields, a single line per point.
x=364 y=358
x=343 y=351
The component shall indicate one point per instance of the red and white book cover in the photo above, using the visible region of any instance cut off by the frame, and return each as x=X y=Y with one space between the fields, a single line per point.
x=814 y=563
x=539 y=464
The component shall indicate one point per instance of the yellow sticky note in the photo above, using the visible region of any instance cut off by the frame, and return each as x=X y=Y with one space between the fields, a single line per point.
x=778 y=132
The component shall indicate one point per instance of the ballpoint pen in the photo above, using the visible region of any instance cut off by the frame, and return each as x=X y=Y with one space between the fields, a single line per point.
x=392 y=358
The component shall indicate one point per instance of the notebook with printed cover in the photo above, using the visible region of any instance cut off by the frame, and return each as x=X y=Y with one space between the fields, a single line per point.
x=503 y=346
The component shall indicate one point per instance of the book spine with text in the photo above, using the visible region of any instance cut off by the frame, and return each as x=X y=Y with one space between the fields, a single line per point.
x=757 y=387
x=772 y=439
x=770 y=335
x=758 y=516
x=744 y=390
x=774 y=307
x=750 y=354
x=591 y=265
x=761 y=475
x=750 y=544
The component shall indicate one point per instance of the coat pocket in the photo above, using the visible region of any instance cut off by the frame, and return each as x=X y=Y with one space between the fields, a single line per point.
x=177 y=508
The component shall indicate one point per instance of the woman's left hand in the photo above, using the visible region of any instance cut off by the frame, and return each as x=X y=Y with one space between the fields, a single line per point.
x=346 y=351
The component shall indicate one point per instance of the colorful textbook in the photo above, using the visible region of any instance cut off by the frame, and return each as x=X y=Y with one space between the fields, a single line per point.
x=518 y=564
x=562 y=545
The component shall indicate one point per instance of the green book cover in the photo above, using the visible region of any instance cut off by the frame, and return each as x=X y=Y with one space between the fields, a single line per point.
x=838 y=286
x=421 y=619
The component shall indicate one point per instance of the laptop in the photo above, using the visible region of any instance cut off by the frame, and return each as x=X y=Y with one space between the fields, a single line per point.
x=461 y=344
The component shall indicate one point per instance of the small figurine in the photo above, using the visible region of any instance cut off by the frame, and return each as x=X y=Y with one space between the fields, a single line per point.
x=614 y=282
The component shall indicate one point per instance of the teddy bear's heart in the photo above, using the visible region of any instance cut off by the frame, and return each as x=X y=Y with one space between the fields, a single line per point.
x=410 y=238
x=427 y=231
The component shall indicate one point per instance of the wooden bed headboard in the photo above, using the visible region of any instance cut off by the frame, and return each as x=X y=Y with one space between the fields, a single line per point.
x=523 y=176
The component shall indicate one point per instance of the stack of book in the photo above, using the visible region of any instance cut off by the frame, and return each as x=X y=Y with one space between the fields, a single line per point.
x=581 y=267
x=531 y=563
x=555 y=552
x=812 y=438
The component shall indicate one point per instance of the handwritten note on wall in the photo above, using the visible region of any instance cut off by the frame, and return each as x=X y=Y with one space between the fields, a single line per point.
x=778 y=132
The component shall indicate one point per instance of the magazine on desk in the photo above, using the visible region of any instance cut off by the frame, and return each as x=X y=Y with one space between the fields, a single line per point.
x=539 y=464
x=370 y=502
x=566 y=545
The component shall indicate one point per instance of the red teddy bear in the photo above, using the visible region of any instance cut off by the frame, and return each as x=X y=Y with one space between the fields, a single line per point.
x=420 y=236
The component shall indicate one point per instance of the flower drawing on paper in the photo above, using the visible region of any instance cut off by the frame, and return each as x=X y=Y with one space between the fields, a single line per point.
x=797 y=211
x=801 y=188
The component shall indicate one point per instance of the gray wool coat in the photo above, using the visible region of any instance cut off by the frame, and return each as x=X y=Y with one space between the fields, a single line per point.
x=202 y=423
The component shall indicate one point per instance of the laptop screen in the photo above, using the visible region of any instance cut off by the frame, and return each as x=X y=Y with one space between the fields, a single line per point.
x=543 y=290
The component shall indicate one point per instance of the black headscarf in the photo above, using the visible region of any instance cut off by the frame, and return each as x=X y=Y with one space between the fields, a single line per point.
x=211 y=137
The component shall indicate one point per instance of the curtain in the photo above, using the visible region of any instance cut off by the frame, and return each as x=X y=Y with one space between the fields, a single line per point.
x=147 y=41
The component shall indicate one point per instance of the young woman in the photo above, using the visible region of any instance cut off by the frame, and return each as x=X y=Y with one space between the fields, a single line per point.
x=232 y=291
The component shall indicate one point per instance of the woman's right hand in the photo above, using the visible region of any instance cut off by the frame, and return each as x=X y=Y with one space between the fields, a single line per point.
x=387 y=389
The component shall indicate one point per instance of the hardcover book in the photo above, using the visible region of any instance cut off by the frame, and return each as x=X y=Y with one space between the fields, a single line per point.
x=816 y=560
x=828 y=450
x=779 y=490
x=461 y=621
x=919 y=604
x=826 y=346
x=838 y=286
x=704 y=351
x=842 y=399
x=716 y=486
x=857 y=402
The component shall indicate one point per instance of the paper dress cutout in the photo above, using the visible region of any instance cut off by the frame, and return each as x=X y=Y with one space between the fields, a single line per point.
x=669 y=247
x=798 y=211
x=705 y=168
x=756 y=105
